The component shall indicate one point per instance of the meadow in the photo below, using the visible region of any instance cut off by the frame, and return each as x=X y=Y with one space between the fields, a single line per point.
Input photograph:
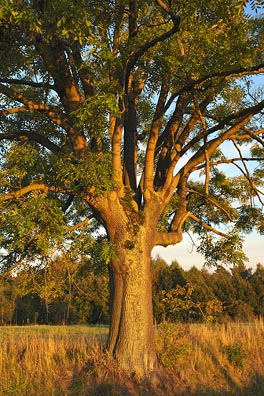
x=197 y=359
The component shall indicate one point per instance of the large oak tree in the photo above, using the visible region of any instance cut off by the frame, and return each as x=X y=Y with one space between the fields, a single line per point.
x=127 y=114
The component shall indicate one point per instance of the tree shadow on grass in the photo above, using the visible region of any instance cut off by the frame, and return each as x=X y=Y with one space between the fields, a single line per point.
x=102 y=377
x=256 y=388
x=131 y=387
x=165 y=387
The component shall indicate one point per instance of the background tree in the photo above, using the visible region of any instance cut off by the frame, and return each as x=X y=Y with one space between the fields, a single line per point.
x=164 y=278
x=62 y=290
x=257 y=281
x=124 y=114
x=8 y=297
x=202 y=289
x=246 y=298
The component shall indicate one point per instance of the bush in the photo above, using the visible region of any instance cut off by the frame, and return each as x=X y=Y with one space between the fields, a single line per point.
x=235 y=354
x=171 y=343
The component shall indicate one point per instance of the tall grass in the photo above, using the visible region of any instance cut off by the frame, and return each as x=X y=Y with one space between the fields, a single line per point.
x=217 y=359
x=45 y=360
x=201 y=359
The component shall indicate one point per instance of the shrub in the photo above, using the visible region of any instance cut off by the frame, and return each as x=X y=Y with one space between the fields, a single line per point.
x=171 y=345
x=235 y=354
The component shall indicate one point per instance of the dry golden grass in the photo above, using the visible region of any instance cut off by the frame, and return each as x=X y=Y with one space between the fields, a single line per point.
x=201 y=359
x=44 y=360
x=223 y=359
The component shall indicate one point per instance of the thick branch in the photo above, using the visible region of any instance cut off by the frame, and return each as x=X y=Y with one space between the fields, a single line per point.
x=147 y=176
x=228 y=74
x=181 y=213
x=172 y=181
x=132 y=18
x=33 y=187
x=229 y=161
x=168 y=10
x=168 y=238
x=83 y=71
x=116 y=149
x=32 y=137
x=249 y=111
x=150 y=44
x=17 y=96
x=241 y=117
x=250 y=135
x=54 y=113
x=29 y=83
x=50 y=111
x=205 y=141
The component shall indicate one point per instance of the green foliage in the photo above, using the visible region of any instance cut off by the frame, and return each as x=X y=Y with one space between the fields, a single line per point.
x=223 y=251
x=65 y=289
x=178 y=300
x=8 y=295
x=75 y=290
x=74 y=71
x=173 y=355
x=95 y=113
x=235 y=354
x=250 y=218
x=222 y=295
x=179 y=303
x=23 y=164
x=33 y=222
x=69 y=19
x=102 y=252
x=172 y=348
x=91 y=174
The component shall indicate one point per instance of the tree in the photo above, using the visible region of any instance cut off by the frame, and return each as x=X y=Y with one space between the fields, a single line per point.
x=257 y=282
x=164 y=278
x=119 y=114
x=8 y=297
x=202 y=287
x=246 y=298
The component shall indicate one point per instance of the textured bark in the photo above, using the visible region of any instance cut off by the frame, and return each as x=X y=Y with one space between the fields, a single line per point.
x=131 y=336
x=133 y=233
x=116 y=297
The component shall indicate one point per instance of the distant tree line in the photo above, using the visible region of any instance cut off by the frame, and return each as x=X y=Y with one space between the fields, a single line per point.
x=197 y=295
x=66 y=291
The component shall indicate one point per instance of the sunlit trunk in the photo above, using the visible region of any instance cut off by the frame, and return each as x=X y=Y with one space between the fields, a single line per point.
x=131 y=336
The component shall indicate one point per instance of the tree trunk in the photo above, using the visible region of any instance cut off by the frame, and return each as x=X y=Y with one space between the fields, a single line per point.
x=131 y=335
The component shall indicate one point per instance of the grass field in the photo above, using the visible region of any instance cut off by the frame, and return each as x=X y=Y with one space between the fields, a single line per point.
x=199 y=359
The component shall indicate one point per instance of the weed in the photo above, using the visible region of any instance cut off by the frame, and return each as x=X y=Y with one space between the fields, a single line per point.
x=173 y=347
x=235 y=354
x=173 y=355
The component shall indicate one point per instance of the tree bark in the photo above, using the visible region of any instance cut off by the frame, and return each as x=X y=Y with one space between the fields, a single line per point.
x=131 y=335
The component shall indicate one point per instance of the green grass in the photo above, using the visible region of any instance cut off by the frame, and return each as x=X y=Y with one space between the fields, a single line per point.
x=199 y=359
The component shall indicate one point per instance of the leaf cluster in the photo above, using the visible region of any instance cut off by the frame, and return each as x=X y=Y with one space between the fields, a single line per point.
x=32 y=224
x=227 y=251
x=92 y=174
